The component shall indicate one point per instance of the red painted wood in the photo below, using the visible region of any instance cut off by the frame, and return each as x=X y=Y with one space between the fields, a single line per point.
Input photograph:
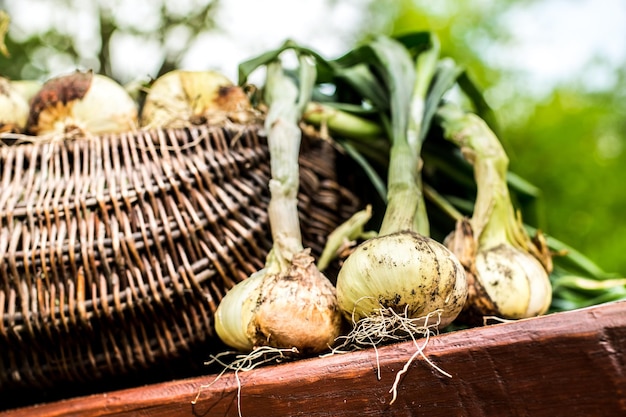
x=565 y=364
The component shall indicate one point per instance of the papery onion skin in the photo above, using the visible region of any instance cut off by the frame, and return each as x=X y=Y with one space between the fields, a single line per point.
x=298 y=308
x=405 y=270
x=236 y=311
x=13 y=108
x=83 y=102
x=293 y=308
x=181 y=98
x=503 y=281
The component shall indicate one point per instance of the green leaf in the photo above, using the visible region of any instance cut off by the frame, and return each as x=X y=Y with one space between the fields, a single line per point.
x=587 y=285
x=354 y=109
x=446 y=77
x=245 y=68
x=341 y=123
x=365 y=84
x=377 y=181
x=522 y=187
x=482 y=107
x=395 y=66
x=388 y=60
x=416 y=42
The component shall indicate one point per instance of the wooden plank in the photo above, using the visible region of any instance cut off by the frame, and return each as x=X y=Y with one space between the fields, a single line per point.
x=571 y=363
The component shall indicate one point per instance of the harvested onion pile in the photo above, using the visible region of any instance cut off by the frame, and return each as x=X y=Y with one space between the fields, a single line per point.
x=84 y=103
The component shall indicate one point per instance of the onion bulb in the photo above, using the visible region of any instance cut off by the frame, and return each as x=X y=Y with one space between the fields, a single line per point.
x=295 y=308
x=13 y=108
x=81 y=102
x=289 y=303
x=403 y=269
x=504 y=280
x=181 y=98
x=526 y=292
x=508 y=271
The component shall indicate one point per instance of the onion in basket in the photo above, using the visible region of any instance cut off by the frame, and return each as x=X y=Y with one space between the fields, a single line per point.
x=13 y=108
x=182 y=98
x=81 y=102
x=289 y=303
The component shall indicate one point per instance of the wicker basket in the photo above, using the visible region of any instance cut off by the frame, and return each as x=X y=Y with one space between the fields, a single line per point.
x=115 y=250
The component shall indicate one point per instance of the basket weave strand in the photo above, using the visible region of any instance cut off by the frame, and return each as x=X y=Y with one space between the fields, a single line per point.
x=115 y=250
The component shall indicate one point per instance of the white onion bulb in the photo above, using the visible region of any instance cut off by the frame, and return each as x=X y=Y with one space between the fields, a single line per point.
x=514 y=280
x=293 y=308
x=27 y=88
x=504 y=280
x=407 y=272
x=181 y=98
x=82 y=102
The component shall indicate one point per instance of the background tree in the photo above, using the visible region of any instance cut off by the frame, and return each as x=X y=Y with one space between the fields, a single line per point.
x=80 y=34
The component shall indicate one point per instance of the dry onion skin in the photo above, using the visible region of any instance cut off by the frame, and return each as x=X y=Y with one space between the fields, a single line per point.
x=504 y=280
x=83 y=103
x=295 y=308
x=13 y=108
x=182 y=98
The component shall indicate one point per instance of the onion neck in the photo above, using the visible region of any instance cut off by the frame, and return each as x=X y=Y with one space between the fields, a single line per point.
x=494 y=215
x=494 y=220
x=286 y=104
x=406 y=210
x=284 y=142
x=404 y=197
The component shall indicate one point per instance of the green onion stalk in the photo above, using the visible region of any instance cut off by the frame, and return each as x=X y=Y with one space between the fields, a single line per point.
x=571 y=292
x=342 y=123
x=507 y=270
x=402 y=269
x=289 y=303
x=362 y=139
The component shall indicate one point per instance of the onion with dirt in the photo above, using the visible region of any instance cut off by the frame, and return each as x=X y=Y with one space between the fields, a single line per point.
x=289 y=303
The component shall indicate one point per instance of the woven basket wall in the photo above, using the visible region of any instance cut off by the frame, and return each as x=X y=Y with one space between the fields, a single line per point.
x=115 y=250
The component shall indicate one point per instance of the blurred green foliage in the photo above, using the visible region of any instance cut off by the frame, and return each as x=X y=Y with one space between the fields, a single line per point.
x=571 y=146
x=570 y=143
